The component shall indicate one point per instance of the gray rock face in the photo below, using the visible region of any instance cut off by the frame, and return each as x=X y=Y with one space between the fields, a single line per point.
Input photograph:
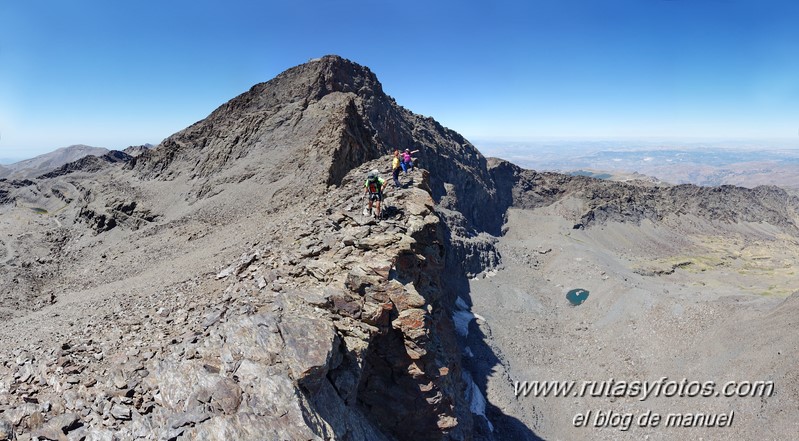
x=93 y=162
x=358 y=345
x=58 y=427
x=621 y=202
x=6 y=431
x=136 y=150
x=5 y=198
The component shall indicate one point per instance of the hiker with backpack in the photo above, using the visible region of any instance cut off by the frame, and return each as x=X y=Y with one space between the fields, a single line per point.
x=373 y=188
x=407 y=160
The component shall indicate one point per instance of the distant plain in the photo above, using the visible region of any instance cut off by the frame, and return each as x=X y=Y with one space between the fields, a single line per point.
x=709 y=163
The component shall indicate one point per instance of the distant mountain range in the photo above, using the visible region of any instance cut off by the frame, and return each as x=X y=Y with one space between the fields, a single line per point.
x=39 y=165
x=700 y=164
x=49 y=161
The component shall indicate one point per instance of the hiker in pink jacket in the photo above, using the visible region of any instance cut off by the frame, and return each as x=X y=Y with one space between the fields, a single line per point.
x=407 y=160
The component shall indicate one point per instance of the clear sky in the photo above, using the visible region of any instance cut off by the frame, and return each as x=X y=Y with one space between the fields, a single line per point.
x=114 y=74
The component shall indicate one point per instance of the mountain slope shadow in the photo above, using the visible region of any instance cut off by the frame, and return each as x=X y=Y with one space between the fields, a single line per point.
x=482 y=364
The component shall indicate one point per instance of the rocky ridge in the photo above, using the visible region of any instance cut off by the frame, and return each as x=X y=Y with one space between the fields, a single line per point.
x=33 y=167
x=89 y=163
x=608 y=201
x=318 y=330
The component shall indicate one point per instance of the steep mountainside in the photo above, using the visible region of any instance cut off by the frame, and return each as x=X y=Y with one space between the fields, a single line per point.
x=323 y=118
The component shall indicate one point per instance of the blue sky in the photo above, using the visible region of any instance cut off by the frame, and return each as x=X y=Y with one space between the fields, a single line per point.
x=114 y=74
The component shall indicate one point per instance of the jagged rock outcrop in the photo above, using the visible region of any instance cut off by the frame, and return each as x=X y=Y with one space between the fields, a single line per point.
x=136 y=150
x=5 y=194
x=41 y=164
x=89 y=163
x=106 y=216
x=608 y=201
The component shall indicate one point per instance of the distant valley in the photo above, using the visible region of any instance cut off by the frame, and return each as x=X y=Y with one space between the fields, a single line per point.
x=708 y=164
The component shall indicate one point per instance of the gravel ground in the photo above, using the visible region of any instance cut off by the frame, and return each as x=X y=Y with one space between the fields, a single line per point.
x=700 y=321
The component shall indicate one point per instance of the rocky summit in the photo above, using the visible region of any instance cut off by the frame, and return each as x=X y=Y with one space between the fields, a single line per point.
x=228 y=285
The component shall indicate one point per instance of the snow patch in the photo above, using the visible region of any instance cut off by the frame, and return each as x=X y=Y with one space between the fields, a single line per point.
x=477 y=402
x=461 y=319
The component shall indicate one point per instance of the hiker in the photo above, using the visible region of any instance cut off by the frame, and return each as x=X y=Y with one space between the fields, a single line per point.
x=374 y=187
x=407 y=160
x=395 y=168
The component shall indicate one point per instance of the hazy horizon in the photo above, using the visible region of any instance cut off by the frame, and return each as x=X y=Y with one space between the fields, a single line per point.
x=496 y=146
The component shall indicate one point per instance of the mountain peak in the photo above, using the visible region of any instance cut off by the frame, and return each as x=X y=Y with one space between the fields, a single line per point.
x=343 y=75
x=314 y=123
x=309 y=81
x=307 y=105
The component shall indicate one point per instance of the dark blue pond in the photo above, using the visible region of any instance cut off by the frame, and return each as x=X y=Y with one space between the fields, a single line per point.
x=577 y=296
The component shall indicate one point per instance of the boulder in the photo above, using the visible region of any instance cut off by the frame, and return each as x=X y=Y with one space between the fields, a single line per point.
x=309 y=345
